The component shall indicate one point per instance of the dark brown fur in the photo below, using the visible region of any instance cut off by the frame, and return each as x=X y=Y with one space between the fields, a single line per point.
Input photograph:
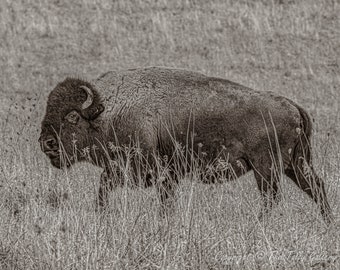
x=157 y=110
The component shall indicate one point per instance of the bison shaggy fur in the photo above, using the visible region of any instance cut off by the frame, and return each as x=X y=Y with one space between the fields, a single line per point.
x=161 y=112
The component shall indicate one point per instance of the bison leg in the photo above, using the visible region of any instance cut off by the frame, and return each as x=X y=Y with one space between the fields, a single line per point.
x=166 y=188
x=307 y=180
x=105 y=186
x=267 y=182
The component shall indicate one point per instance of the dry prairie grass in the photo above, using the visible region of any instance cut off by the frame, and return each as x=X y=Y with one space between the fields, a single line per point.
x=47 y=216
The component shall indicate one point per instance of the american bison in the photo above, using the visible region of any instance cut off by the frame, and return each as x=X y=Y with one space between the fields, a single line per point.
x=160 y=112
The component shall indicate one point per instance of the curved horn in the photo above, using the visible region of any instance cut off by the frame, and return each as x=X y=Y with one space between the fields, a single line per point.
x=89 y=99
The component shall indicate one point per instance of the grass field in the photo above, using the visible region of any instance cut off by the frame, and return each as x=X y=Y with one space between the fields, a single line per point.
x=48 y=218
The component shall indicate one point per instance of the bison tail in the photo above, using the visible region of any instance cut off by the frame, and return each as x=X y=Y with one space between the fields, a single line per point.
x=302 y=171
x=302 y=151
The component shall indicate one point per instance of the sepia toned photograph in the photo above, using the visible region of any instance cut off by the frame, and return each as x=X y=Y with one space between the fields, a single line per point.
x=158 y=134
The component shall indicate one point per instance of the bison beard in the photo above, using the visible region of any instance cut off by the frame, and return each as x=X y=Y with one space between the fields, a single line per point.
x=175 y=118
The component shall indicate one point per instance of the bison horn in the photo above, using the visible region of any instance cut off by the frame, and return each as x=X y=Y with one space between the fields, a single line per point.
x=89 y=99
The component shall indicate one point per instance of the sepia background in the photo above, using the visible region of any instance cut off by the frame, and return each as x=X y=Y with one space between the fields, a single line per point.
x=47 y=217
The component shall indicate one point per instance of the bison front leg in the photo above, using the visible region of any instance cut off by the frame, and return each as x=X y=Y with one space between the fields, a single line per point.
x=105 y=187
x=166 y=187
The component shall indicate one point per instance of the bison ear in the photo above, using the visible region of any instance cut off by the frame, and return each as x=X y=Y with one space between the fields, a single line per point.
x=95 y=111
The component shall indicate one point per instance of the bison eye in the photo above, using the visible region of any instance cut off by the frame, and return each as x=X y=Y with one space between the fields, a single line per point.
x=72 y=117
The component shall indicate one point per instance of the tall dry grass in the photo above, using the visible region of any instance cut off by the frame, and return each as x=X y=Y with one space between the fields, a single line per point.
x=47 y=216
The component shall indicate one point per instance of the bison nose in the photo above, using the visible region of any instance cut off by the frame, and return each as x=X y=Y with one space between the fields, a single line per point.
x=49 y=144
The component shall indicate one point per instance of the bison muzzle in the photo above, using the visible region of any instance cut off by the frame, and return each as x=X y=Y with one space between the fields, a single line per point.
x=160 y=111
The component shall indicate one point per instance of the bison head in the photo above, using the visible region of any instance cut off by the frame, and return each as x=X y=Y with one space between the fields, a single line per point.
x=66 y=129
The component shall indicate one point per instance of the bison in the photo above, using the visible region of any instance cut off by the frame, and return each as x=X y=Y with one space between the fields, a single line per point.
x=160 y=112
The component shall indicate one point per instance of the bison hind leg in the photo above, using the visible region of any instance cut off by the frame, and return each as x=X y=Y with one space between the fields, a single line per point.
x=267 y=179
x=304 y=176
